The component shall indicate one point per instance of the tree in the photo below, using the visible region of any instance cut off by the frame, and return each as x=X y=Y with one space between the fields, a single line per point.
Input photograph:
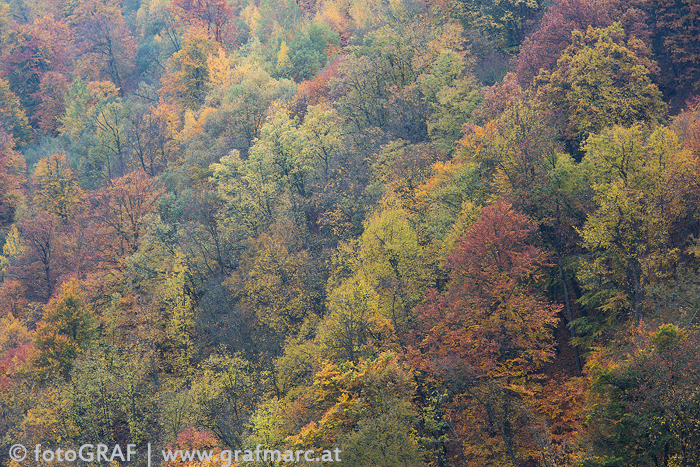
x=488 y=332
x=505 y=22
x=245 y=105
x=120 y=214
x=53 y=89
x=644 y=406
x=187 y=78
x=46 y=257
x=30 y=52
x=601 y=79
x=542 y=50
x=215 y=15
x=13 y=120
x=365 y=409
x=519 y=157
x=276 y=283
x=453 y=95
x=56 y=191
x=66 y=330
x=105 y=44
x=353 y=327
x=12 y=178
x=674 y=28
x=154 y=137
x=223 y=396
x=645 y=190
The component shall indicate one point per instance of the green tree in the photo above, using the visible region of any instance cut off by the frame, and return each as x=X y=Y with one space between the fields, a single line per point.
x=453 y=96
x=644 y=187
x=643 y=407
x=223 y=395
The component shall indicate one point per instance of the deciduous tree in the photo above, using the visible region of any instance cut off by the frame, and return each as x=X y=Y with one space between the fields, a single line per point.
x=489 y=332
x=66 y=331
x=601 y=79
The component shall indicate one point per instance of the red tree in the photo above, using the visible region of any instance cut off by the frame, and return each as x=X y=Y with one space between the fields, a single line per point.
x=486 y=335
x=119 y=212
x=46 y=257
x=216 y=16
x=30 y=51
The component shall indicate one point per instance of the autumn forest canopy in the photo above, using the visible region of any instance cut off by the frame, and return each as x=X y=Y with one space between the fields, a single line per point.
x=423 y=232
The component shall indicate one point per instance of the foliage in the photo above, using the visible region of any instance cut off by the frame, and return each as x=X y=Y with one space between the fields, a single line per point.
x=644 y=407
x=601 y=79
x=348 y=224
x=56 y=190
x=66 y=331
x=488 y=332
x=642 y=184
x=13 y=120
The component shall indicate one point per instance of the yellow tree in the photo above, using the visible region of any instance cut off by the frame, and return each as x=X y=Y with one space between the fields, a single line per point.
x=601 y=79
x=56 y=189
x=188 y=75
x=66 y=330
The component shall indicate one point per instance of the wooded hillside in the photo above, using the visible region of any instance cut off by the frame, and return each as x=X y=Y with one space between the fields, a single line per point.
x=423 y=232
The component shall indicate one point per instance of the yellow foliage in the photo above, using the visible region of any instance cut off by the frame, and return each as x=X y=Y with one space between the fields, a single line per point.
x=251 y=16
x=220 y=72
x=12 y=249
x=102 y=90
x=57 y=191
x=442 y=173
x=283 y=56
x=193 y=125
x=12 y=332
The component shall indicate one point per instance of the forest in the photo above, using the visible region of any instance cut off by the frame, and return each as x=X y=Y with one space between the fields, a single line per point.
x=421 y=232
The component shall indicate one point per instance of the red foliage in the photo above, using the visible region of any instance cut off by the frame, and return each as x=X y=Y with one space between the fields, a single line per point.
x=12 y=361
x=31 y=51
x=216 y=16
x=542 y=50
x=193 y=439
x=106 y=48
x=317 y=90
x=50 y=99
x=118 y=215
x=491 y=321
x=46 y=257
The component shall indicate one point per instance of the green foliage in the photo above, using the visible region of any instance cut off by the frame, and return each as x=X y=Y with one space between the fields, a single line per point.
x=223 y=396
x=644 y=409
x=504 y=22
x=109 y=391
x=308 y=52
x=642 y=183
x=333 y=236
x=453 y=97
